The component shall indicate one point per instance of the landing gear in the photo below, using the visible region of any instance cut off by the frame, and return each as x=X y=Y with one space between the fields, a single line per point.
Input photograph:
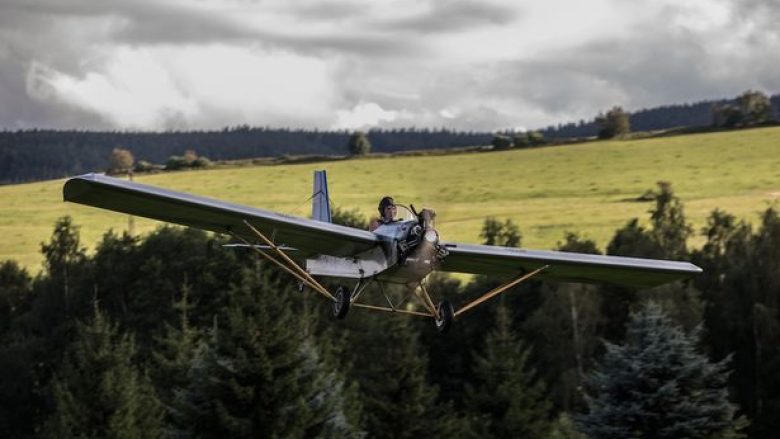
x=341 y=302
x=446 y=313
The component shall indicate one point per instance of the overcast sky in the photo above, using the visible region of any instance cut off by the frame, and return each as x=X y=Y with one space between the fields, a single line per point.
x=462 y=64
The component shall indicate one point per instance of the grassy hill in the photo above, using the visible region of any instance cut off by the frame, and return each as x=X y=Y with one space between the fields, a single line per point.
x=589 y=188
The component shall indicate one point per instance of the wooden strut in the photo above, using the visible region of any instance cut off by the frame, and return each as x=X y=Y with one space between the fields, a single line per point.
x=382 y=308
x=498 y=290
x=428 y=302
x=281 y=265
x=291 y=267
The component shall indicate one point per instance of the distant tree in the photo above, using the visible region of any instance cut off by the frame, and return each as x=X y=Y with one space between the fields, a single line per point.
x=494 y=232
x=751 y=107
x=528 y=138
x=613 y=124
x=190 y=156
x=656 y=385
x=121 y=161
x=508 y=399
x=727 y=115
x=670 y=229
x=176 y=162
x=99 y=392
x=501 y=141
x=359 y=144
x=145 y=166
x=190 y=159
x=535 y=138
x=755 y=106
x=521 y=141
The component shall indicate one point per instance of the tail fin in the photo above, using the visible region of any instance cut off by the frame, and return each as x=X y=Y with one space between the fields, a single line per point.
x=320 y=201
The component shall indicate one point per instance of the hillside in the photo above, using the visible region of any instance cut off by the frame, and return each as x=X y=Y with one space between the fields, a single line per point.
x=589 y=188
x=34 y=155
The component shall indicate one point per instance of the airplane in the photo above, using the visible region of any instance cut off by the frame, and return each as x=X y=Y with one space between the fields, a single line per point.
x=404 y=251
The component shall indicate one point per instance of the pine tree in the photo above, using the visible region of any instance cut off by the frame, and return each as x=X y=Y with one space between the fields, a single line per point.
x=398 y=400
x=565 y=331
x=175 y=350
x=260 y=374
x=508 y=401
x=670 y=229
x=657 y=386
x=65 y=260
x=99 y=392
x=741 y=284
x=15 y=286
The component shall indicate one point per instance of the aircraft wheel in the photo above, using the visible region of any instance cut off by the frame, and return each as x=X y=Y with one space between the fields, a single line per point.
x=446 y=314
x=341 y=304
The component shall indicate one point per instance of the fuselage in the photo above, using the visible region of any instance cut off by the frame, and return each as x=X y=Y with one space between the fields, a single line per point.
x=408 y=252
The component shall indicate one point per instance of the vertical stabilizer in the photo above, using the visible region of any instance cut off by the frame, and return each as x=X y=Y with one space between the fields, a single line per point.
x=320 y=201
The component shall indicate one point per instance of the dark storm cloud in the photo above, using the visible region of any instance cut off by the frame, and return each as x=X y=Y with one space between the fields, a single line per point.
x=152 y=23
x=18 y=111
x=454 y=16
x=379 y=55
x=136 y=21
x=655 y=66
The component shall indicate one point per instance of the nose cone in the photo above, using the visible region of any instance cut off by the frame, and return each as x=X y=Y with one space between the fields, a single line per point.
x=431 y=236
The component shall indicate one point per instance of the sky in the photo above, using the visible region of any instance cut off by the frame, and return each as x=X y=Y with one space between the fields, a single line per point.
x=480 y=65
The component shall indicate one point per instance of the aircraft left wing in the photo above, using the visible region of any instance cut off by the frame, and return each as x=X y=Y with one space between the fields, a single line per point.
x=307 y=236
x=564 y=266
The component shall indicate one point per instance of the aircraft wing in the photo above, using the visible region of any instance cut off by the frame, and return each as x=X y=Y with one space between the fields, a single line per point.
x=564 y=266
x=307 y=236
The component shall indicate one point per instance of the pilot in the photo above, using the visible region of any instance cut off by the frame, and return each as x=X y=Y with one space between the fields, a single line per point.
x=386 y=213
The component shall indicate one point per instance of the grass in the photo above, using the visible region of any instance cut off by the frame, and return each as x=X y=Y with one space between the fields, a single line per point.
x=585 y=187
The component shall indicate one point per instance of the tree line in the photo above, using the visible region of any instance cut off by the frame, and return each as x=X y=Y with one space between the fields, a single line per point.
x=749 y=107
x=175 y=335
x=46 y=154
x=29 y=155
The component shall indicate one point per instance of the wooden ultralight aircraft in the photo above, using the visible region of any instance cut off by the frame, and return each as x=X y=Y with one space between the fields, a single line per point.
x=404 y=251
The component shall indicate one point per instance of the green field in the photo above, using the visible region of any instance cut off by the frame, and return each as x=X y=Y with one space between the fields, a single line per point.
x=585 y=188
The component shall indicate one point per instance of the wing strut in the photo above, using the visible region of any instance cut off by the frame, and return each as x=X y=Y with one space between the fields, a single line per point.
x=288 y=265
x=500 y=289
x=386 y=309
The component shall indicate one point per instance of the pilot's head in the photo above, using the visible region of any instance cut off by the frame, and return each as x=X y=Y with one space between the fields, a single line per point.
x=387 y=208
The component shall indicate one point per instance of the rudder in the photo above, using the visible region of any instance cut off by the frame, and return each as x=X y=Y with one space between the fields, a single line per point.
x=320 y=204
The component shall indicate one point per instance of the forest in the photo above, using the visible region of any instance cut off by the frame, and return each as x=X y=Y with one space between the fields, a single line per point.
x=173 y=335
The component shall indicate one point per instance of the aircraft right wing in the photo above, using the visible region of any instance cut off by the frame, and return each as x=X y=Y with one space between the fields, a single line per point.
x=564 y=266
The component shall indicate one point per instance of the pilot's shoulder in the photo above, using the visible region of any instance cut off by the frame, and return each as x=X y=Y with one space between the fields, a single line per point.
x=373 y=224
